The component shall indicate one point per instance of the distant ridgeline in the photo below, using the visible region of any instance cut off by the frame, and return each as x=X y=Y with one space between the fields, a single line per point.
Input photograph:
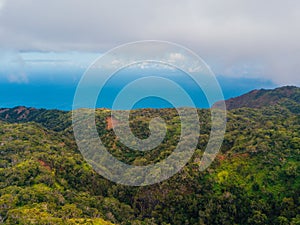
x=288 y=96
x=255 y=178
x=53 y=119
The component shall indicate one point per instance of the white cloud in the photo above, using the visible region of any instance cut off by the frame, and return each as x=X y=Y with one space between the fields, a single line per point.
x=18 y=78
x=175 y=57
x=2 y=3
x=230 y=34
x=194 y=69
x=12 y=67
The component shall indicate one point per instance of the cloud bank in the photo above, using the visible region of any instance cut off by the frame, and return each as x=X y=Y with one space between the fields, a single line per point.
x=238 y=38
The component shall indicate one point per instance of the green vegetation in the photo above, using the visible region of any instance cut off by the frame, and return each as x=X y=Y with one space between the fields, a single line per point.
x=254 y=179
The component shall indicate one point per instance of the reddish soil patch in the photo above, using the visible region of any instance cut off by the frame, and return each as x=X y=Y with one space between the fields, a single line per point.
x=221 y=157
x=242 y=155
x=61 y=144
x=111 y=122
x=44 y=164
x=24 y=115
x=3 y=110
x=19 y=110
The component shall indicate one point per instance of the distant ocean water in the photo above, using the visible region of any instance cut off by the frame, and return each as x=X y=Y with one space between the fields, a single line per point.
x=49 y=80
x=51 y=95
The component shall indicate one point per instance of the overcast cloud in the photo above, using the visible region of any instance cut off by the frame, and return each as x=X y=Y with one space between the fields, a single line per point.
x=250 y=38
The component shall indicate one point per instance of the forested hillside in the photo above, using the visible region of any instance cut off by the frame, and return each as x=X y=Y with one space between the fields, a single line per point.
x=254 y=179
x=288 y=96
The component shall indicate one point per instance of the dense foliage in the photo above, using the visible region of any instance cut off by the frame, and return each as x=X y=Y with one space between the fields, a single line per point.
x=254 y=179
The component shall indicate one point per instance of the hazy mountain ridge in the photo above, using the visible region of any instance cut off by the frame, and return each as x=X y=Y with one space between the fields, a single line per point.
x=287 y=96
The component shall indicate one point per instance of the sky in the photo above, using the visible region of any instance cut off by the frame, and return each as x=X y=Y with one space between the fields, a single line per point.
x=249 y=38
x=239 y=39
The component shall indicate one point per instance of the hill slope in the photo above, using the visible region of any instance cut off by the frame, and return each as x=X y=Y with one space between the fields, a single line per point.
x=254 y=179
x=56 y=120
x=288 y=96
